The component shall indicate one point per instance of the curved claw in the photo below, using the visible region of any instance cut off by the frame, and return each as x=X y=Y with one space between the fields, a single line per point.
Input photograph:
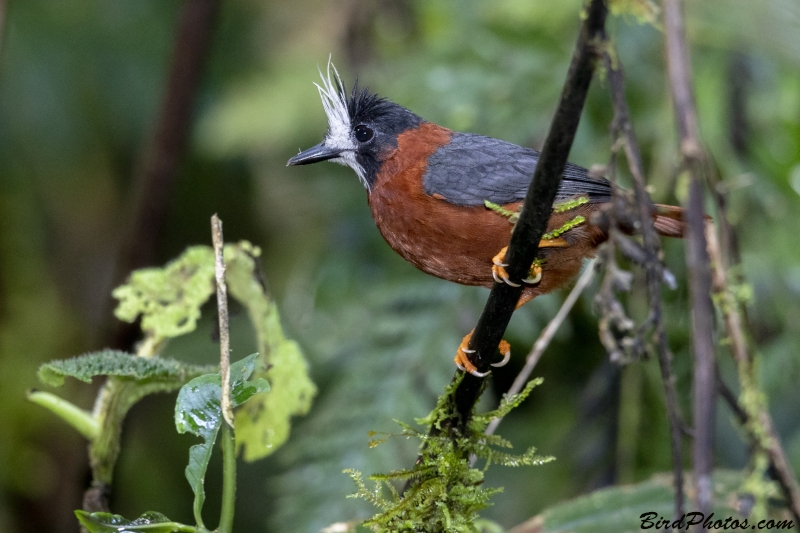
x=505 y=349
x=462 y=360
x=480 y=374
x=533 y=280
x=463 y=364
x=501 y=276
x=500 y=257
x=499 y=269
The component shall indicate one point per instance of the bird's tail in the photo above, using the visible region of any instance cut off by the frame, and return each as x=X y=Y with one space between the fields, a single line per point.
x=668 y=220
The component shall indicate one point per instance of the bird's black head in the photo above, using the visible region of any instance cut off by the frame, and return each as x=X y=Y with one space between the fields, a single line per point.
x=362 y=128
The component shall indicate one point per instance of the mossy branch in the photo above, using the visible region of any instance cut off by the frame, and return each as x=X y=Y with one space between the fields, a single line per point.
x=752 y=404
x=445 y=492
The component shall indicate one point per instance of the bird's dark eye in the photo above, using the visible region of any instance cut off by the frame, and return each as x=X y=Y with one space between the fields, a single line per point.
x=363 y=133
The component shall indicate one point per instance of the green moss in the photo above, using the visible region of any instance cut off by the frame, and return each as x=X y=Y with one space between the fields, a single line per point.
x=569 y=205
x=577 y=221
x=444 y=491
x=558 y=207
x=499 y=209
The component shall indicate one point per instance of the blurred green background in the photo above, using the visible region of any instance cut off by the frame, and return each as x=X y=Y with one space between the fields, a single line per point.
x=81 y=84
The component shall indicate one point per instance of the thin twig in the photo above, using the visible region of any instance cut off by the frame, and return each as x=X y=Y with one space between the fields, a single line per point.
x=738 y=347
x=654 y=271
x=222 y=311
x=693 y=160
x=729 y=397
x=546 y=336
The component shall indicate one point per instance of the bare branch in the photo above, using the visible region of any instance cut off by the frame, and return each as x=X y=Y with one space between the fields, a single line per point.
x=160 y=165
x=654 y=271
x=222 y=311
x=693 y=159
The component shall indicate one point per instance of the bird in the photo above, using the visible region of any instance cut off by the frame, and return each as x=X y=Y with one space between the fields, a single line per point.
x=443 y=199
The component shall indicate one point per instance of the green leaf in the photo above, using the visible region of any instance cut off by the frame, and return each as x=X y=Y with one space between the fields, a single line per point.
x=263 y=425
x=130 y=378
x=619 y=509
x=119 y=364
x=198 y=411
x=151 y=521
x=169 y=298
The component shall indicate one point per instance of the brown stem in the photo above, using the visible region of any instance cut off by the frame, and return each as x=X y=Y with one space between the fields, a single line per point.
x=693 y=158
x=739 y=81
x=160 y=166
x=222 y=311
x=653 y=269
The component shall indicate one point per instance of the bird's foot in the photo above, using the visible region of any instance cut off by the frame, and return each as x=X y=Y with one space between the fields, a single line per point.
x=499 y=268
x=534 y=274
x=462 y=357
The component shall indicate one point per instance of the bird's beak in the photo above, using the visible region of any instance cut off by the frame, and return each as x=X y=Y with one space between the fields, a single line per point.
x=315 y=154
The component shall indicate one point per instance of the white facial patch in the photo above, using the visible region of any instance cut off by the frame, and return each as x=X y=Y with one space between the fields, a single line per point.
x=340 y=134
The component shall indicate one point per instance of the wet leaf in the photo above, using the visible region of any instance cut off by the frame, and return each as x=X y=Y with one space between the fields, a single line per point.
x=198 y=411
x=151 y=521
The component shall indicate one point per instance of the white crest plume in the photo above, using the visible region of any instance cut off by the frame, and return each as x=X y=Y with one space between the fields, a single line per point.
x=339 y=136
x=334 y=100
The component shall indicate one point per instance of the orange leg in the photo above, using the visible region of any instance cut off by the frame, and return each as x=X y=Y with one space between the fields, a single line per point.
x=534 y=275
x=462 y=354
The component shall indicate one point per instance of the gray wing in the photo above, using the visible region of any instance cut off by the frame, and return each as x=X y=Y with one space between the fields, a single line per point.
x=473 y=168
